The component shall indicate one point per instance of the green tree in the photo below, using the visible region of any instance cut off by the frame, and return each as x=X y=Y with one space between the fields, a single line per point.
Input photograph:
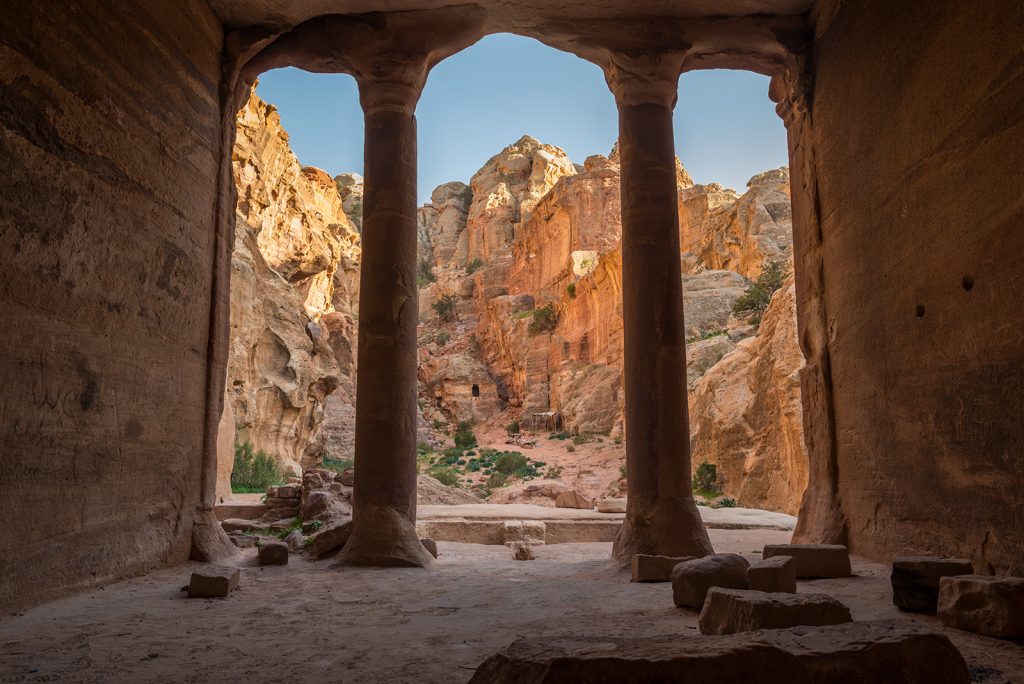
x=445 y=307
x=754 y=301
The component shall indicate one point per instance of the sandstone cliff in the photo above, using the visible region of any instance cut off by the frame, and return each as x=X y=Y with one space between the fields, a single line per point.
x=294 y=288
x=746 y=416
x=531 y=254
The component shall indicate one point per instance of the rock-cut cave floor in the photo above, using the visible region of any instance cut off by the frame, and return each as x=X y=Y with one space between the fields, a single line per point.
x=314 y=621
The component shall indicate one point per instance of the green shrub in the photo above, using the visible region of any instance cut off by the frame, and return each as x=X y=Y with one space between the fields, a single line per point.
x=513 y=428
x=438 y=424
x=338 y=465
x=554 y=472
x=446 y=475
x=622 y=471
x=580 y=439
x=511 y=462
x=570 y=448
x=544 y=320
x=442 y=338
x=253 y=472
x=754 y=301
x=496 y=480
x=570 y=290
x=445 y=306
x=425 y=275
x=559 y=435
x=464 y=437
x=726 y=502
x=705 y=480
x=474 y=266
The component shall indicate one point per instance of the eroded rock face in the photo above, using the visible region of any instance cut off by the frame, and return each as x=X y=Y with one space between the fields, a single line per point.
x=746 y=418
x=294 y=282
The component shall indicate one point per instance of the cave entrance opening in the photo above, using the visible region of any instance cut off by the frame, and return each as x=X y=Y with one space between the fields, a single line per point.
x=289 y=402
x=509 y=239
x=736 y=246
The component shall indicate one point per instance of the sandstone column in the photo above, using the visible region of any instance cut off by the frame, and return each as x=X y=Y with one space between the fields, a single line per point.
x=661 y=516
x=384 y=505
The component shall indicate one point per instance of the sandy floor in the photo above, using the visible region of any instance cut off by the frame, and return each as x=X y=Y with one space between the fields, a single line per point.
x=316 y=622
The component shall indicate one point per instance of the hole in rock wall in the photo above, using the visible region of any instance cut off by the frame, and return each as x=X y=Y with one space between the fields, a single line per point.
x=967 y=283
x=476 y=390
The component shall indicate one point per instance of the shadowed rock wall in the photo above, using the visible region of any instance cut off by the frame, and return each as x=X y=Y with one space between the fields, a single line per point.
x=109 y=146
x=918 y=118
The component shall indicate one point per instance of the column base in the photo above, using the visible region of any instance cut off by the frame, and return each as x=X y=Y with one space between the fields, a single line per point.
x=383 y=537
x=661 y=527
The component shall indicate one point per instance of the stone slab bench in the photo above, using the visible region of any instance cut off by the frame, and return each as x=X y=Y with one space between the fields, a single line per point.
x=729 y=611
x=993 y=606
x=915 y=580
x=813 y=561
x=882 y=652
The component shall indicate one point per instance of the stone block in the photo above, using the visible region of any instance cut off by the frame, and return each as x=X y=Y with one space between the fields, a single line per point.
x=212 y=581
x=282 y=523
x=880 y=652
x=242 y=541
x=993 y=606
x=331 y=538
x=573 y=499
x=532 y=532
x=692 y=579
x=271 y=491
x=646 y=568
x=813 y=560
x=729 y=611
x=430 y=545
x=289 y=491
x=348 y=477
x=521 y=551
x=611 y=506
x=273 y=553
x=915 y=580
x=278 y=502
x=239 y=525
x=776 y=574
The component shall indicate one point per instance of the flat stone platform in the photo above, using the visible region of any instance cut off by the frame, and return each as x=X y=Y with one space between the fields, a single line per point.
x=483 y=523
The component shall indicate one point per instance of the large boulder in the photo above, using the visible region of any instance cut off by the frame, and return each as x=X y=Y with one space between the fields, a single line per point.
x=987 y=605
x=692 y=579
x=813 y=560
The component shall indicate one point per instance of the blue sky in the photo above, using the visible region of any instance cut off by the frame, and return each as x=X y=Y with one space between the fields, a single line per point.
x=488 y=96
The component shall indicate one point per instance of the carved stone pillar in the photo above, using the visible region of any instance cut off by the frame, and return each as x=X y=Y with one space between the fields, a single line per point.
x=661 y=515
x=384 y=501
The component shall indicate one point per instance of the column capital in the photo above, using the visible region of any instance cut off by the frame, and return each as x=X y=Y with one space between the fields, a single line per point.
x=645 y=77
x=390 y=81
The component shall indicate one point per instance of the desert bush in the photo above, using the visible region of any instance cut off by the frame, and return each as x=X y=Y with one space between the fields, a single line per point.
x=570 y=290
x=513 y=428
x=754 y=301
x=496 y=480
x=544 y=320
x=705 y=480
x=425 y=275
x=445 y=307
x=554 y=472
x=464 y=437
x=726 y=502
x=337 y=465
x=442 y=338
x=253 y=471
x=570 y=448
x=446 y=475
x=474 y=266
